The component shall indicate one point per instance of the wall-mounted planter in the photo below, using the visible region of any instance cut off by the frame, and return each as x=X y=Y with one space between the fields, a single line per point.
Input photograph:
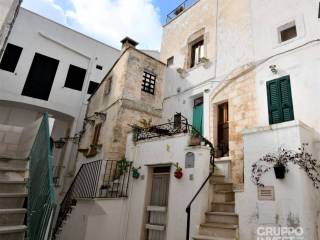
x=279 y=171
x=178 y=174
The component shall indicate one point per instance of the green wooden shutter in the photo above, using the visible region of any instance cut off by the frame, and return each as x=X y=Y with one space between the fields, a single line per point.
x=280 y=100
x=198 y=118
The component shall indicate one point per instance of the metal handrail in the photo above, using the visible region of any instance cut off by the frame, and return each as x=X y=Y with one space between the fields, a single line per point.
x=181 y=8
x=97 y=179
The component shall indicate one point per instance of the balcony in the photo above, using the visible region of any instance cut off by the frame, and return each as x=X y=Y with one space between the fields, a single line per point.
x=180 y=9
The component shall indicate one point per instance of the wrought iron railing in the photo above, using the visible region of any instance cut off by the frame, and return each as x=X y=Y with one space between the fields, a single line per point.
x=182 y=7
x=168 y=129
x=98 y=179
x=41 y=198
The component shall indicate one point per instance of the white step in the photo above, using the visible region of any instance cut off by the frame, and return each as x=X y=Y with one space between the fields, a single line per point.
x=8 y=172
x=12 y=186
x=217 y=178
x=219 y=230
x=12 y=200
x=222 y=186
x=222 y=217
x=223 y=196
x=205 y=237
x=223 y=206
x=11 y=217
x=9 y=162
x=12 y=232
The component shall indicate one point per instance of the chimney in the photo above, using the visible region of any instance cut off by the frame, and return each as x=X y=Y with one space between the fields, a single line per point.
x=128 y=42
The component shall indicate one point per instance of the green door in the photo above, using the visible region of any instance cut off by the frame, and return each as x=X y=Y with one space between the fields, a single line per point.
x=197 y=121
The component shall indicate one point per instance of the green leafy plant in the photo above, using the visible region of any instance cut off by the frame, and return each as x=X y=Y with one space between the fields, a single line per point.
x=122 y=166
x=282 y=158
x=135 y=172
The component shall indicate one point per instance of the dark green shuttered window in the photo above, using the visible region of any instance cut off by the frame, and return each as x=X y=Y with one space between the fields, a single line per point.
x=280 y=100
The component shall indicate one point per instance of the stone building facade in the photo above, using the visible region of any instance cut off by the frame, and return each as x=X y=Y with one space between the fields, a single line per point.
x=120 y=102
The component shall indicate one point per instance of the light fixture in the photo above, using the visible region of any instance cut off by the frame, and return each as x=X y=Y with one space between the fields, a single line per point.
x=273 y=69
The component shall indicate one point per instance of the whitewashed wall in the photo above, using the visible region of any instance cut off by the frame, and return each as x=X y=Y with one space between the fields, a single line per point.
x=296 y=199
x=302 y=64
x=164 y=151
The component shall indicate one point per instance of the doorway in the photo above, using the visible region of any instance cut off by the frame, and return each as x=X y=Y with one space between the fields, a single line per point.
x=197 y=119
x=157 y=209
x=223 y=130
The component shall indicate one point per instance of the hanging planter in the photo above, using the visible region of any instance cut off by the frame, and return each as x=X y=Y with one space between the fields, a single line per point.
x=178 y=172
x=279 y=162
x=135 y=172
x=279 y=171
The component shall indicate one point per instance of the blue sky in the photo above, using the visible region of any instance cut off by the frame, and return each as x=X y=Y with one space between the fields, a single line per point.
x=109 y=20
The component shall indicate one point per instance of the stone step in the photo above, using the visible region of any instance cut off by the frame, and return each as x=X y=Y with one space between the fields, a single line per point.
x=9 y=162
x=205 y=237
x=223 y=206
x=223 y=196
x=223 y=186
x=12 y=186
x=222 y=217
x=219 y=230
x=12 y=232
x=8 y=172
x=12 y=200
x=217 y=178
x=12 y=217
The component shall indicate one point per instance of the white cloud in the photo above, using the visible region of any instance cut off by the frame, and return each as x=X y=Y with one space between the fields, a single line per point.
x=109 y=20
x=47 y=8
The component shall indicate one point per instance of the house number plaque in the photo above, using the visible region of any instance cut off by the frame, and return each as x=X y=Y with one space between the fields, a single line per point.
x=189 y=160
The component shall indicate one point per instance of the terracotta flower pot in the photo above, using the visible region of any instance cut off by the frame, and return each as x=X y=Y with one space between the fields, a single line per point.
x=279 y=171
x=178 y=174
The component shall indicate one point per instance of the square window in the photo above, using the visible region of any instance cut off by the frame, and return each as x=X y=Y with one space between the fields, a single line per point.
x=148 y=83
x=92 y=87
x=10 y=58
x=99 y=67
x=287 y=32
x=197 y=52
x=75 y=78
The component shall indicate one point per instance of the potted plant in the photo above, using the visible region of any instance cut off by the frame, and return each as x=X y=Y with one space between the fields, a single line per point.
x=279 y=162
x=178 y=10
x=135 y=172
x=178 y=172
x=195 y=139
x=122 y=167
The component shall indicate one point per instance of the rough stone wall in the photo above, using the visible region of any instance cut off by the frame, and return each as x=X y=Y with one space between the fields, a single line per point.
x=241 y=97
x=125 y=104
x=177 y=34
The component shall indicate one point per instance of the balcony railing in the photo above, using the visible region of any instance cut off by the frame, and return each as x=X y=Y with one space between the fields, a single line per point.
x=181 y=8
x=98 y=179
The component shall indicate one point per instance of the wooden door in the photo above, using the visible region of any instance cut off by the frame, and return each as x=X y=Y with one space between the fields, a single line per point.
x=157 y=210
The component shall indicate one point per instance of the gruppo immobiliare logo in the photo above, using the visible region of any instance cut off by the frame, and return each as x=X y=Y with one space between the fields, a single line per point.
x=280 y=233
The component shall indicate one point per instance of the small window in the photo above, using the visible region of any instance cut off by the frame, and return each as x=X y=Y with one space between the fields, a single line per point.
x=75 y=78
x=10 y=58
x=287 y=32
x=149 y=82
x=92 y=87
x=95 y=141
x=170 y=61
x=108 y=85
x=99 y=67
x=197 y=52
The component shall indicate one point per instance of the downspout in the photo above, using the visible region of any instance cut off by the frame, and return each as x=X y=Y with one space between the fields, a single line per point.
x=10 y=27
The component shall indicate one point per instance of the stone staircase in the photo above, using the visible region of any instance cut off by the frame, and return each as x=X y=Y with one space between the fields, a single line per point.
x=221 y=222
x=12 y=198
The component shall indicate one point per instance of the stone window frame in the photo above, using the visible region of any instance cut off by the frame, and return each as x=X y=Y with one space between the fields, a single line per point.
x=195 y=38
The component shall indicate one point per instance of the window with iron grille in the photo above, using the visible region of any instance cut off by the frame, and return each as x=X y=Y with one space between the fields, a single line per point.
x=149 y=82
